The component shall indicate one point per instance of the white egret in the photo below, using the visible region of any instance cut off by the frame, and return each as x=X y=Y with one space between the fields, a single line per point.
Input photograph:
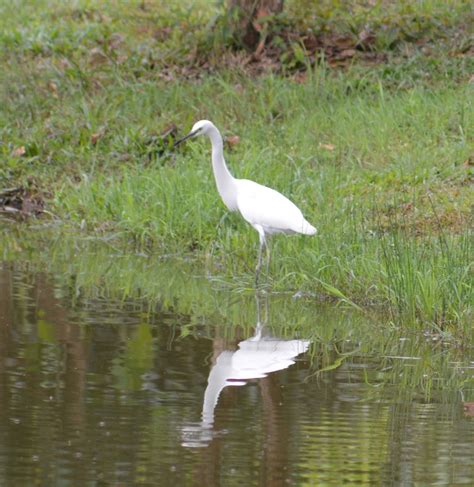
x=267 y=210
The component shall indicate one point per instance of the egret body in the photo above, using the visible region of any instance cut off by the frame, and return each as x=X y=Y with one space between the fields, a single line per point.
x=267 y=210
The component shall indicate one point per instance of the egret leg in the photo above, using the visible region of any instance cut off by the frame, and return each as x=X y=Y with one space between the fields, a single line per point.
x=268 y=256
x=261 y=301
x=261 y=234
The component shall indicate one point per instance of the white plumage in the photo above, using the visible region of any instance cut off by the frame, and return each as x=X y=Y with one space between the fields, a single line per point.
x=270 y=210
x=267 y=210
x=255 y=358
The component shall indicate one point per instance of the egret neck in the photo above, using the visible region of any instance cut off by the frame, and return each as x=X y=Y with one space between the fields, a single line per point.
x=224 y=180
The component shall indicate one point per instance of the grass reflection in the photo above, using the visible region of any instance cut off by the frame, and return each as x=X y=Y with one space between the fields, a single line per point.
x=399 y=361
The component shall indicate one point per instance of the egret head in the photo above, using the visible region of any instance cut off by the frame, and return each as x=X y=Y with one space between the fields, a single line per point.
x=203 y=127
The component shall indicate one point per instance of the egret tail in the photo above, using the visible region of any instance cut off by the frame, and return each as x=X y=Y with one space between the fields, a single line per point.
x=306 y=228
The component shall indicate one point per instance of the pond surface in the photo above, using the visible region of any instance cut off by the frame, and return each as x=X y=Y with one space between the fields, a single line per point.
x=108 y=380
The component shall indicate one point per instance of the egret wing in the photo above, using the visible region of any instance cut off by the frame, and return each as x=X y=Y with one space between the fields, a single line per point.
x=260 y=205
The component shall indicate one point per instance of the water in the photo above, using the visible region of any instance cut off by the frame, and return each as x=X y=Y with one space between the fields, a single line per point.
x=121 y=370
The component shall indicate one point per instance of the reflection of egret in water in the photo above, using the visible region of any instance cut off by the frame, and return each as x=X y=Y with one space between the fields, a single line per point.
x=255 y=358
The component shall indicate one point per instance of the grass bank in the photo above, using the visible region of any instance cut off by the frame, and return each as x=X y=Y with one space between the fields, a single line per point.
x=379 y=158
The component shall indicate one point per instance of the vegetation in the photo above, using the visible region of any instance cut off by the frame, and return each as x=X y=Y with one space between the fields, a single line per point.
x=379 y=157
x=138 y=296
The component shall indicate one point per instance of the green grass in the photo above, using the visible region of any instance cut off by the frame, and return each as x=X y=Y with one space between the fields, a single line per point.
x=377 y=158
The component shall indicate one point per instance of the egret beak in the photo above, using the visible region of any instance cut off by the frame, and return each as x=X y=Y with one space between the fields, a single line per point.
x=180 y=141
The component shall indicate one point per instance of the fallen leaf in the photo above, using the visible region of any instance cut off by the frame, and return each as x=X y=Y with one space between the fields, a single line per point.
x=262 y=12
x=53 y=89
x=468 y=408
x=115 y=41
x=337 y=63
x=366 y=38
x=64 y=63
x=327 y=146
x=21 y=201
x=19 y=151
x=97 y=56
x=347 y=53
x=340 y=42
x=121 y=58
x=232 y=140
x=311 y=43
x=96 y=136
x=300 y=77
x=170 y=131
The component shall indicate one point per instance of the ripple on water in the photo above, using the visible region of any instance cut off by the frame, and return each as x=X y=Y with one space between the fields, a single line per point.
x=92 y=392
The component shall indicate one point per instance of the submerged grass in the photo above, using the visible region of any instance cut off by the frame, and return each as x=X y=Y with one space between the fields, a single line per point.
x=379 y=159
